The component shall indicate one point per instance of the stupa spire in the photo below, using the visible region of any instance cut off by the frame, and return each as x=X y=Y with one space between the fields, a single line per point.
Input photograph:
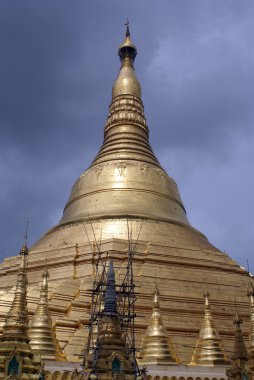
x=127 y=28
x=126 y=131
x=16 y=356
x=208 y=349
x=156 y=346
x=127 y=51
x=110 y=304
x=240 y=351
x=125 y=178
x=238 y=368
x=41 y=332
x=16 y=322
x=111 y=356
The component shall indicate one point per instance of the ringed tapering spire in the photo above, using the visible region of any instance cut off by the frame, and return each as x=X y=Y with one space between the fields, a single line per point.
x=110 y=304
x=126 y=131
x=156 y=348
x=16 y=322
x=111 y=356
x=16 y=356
x=41 y=332
x=208 y=351
x=125 y=178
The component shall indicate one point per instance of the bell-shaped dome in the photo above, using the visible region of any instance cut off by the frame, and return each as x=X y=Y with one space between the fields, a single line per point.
x=125 y=179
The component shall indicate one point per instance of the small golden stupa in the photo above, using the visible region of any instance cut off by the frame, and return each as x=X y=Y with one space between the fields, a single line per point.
x=41 y=332
x=156 y=347
x=208 y=351
x=16 y=357
x=111 y=357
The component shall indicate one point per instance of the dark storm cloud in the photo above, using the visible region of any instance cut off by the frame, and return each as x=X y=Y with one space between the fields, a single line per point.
x=195 y=62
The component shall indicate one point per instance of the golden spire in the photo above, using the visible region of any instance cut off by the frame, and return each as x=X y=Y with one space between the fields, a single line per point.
x=156 y=348
x=41 y=333
x=208 y=351
x=16 y=356
x=127 y=82
x=125 y=171
x=16 y=322
x=126 y=131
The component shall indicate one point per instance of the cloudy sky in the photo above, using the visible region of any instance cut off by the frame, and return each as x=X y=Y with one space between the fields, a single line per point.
x=195 y=62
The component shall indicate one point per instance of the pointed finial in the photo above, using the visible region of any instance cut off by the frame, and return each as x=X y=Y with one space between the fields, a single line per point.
x=206 y=292
x=111 y=272
x=23 y=253
x=248 y=268
x=45 y=276
x=207 y=298
x=127 y=28
x=110 y=303
x=44 y=285
x=24 y=250
x=26 y=232
x=127 y=50
x=156 y=295
x=237 y=320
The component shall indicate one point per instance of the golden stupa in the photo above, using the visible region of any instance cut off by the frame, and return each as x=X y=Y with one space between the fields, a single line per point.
x=125 y=198
x=17 y=360
x=209 y=350
x=41 y=331
x=156 y=347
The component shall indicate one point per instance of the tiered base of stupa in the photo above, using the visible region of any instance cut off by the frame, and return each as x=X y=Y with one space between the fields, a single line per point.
x=178 y=258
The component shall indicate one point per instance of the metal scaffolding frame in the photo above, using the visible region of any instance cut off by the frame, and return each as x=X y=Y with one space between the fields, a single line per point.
x=126 y=297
